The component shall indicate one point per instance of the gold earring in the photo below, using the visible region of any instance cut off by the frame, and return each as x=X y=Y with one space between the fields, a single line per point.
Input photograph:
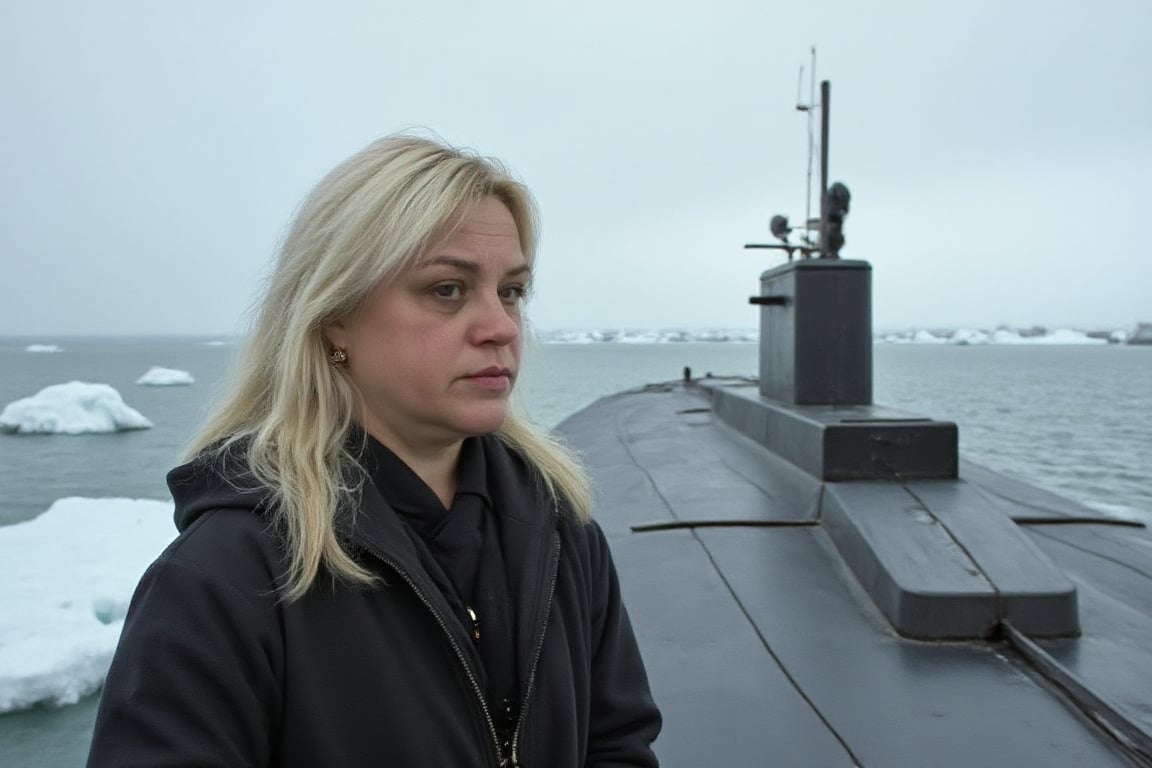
x=338 y=356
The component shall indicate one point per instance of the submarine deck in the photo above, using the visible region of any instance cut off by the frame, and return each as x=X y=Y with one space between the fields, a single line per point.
x=764 y=648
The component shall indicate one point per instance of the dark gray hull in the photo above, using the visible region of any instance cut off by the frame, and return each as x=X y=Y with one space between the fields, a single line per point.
x=783 y=615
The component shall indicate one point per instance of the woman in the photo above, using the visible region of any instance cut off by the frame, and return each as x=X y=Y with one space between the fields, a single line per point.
x=379 y=563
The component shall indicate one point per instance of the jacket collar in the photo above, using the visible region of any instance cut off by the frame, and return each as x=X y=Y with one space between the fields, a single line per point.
x=529 y=538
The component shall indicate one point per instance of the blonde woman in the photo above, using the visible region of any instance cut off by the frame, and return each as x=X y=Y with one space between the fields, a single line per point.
x=379 y=562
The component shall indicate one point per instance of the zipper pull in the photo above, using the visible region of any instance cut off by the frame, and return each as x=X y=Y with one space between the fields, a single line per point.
x=475 y=624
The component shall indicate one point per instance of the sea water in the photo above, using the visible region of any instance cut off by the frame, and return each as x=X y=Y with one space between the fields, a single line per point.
x=1074 y=419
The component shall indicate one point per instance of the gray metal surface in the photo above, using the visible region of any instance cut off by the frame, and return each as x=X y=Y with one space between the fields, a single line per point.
x=816 y=343
x=838 y=442
x=766 y=648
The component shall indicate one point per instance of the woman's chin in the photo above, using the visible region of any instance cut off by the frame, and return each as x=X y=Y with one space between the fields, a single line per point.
x=483 y=423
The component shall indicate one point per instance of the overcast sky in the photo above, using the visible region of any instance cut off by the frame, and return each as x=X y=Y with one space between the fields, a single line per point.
x=998 y=152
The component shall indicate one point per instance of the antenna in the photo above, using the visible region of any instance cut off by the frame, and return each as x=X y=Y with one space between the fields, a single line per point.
x=834 y=199
x=809 y=108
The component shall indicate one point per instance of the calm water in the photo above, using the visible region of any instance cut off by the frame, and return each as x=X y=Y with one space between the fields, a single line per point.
x=1077 y=420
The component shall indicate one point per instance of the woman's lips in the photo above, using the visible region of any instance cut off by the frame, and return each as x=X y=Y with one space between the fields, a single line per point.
x=494 y=379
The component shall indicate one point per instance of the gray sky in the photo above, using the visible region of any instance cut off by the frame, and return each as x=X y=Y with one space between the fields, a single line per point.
x=998 y=152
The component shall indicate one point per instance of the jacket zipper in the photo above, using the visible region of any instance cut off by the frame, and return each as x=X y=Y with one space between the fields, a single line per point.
x=502 y=761
x=536 y=655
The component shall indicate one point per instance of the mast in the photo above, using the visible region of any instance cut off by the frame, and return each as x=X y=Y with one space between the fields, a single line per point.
x=807 y=108
x=834 y=198
x=825 y=95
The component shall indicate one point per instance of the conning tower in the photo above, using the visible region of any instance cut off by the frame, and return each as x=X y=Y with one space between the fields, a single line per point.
x=940 y=557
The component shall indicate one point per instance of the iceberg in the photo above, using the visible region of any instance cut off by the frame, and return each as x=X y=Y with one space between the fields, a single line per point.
x=568 y=337
x=69 y=575
x=1002 y=335
x=924 y=337
x=71 y=409
x=165 y=377
x=1065 y=336
x=642 y=337
x=1009 y=336
x=43 y=348
x=967 y=336
x=650 y=336
x=959 y=337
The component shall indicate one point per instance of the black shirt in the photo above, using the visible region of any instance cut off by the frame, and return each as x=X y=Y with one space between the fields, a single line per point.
x=461 y=549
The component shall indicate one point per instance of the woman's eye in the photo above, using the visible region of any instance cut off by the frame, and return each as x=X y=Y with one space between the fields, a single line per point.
x=513 y=294
x=447 y=291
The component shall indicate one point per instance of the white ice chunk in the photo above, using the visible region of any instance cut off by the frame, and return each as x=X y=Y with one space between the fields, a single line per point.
x=1008 y=336
x=69 y=575
x=44 y=348
x=641 y=337
x=999 y=336
x=924 y=337
x=1065 y=336
x=165 y=377
x=652 y=336
x=968 y=336
x=72 y=409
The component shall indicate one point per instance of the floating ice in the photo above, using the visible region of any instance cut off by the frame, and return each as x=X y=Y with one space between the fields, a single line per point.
x=965 y=336
x=44 y=348
x=644 y=337
x=1065 y=336
x=165 y=377
x=1059 y=336
x=1007 y=336
x=69 y=575
x=656 y=336
x=924 y=337
x=71 y=409
x=962 y=336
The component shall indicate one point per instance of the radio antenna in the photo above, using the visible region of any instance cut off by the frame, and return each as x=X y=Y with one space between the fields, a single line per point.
x=808 y=107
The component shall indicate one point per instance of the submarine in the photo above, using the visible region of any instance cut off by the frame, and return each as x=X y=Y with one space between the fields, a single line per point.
x=819 y=580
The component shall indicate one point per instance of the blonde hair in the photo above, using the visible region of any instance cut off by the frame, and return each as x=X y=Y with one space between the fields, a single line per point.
x=289 y=411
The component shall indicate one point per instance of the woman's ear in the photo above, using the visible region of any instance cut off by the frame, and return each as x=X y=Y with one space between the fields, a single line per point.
x=335 y=334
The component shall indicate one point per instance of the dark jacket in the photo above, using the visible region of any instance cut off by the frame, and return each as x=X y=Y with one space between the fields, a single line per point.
x=214 y=668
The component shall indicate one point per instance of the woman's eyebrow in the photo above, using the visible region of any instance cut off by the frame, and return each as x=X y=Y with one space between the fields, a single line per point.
x=467 y=265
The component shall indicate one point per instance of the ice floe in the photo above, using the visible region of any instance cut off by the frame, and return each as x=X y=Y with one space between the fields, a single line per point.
x=71 y=409
x=967 y=336
x=165 y=377
x=69 y=575
x=960 y=336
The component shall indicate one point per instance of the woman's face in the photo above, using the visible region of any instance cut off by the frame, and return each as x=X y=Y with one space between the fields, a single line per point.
x=434 y=353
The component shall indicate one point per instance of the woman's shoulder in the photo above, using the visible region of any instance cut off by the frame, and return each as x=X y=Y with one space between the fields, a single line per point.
x=234 y=548
x=514 y=476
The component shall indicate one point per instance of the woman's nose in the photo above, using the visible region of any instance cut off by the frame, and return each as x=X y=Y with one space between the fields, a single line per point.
x=495 y=322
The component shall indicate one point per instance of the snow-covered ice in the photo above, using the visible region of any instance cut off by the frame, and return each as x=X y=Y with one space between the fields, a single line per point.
x=68 y=577
x=924 y=337
x=165 y=377
x=966 y=336
x=43 y=348
x=962 y=336
x=969 y=336
x=650 y=336
x=1065 y=336
x=71 y=409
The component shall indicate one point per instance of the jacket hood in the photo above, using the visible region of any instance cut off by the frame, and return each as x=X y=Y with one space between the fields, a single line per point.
x=212 y=481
